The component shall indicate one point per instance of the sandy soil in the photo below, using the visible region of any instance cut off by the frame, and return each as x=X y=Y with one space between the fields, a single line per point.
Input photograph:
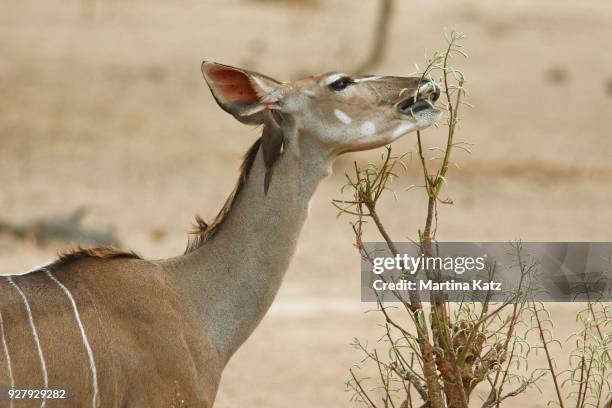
x=102 y=104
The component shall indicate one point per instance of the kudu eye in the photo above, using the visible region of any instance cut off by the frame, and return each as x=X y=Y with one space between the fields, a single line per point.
x=341 y=84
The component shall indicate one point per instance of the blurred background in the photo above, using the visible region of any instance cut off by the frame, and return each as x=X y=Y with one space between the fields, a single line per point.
x=107 y=130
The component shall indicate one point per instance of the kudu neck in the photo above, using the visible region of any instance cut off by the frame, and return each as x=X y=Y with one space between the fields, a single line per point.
x=231 y=280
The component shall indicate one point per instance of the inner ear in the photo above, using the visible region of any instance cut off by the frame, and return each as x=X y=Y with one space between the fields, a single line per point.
x=232 y=85
x=242 y=93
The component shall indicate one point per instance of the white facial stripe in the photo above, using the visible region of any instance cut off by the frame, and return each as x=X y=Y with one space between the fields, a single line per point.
x=366 y=79
x=402 y=129
x=342 y=117
x=368 y=128
x=43 y=365
x=90 y=356
x=333 y=78
x=7 y=356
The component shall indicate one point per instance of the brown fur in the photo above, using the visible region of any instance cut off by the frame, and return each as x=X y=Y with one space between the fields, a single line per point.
x=144 y=341
x=202 y=231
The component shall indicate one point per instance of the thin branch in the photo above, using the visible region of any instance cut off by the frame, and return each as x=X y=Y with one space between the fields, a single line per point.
x=548 y=357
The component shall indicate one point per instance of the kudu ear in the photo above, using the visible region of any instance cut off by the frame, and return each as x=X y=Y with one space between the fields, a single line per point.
x=244 y=94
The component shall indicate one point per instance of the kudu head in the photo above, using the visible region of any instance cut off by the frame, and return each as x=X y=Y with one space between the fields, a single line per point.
x=342 y=113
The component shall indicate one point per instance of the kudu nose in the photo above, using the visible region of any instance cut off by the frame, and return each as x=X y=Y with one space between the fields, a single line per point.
x=424 y=97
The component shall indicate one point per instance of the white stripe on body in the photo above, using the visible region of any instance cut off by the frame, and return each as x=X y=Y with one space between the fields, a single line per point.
x=35 y=334
x=90 y=356
x=8 y=358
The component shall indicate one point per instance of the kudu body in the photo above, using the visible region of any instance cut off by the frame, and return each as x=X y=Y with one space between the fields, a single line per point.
x=115 y=330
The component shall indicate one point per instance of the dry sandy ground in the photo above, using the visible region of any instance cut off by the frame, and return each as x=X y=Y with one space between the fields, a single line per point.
x=102 y=104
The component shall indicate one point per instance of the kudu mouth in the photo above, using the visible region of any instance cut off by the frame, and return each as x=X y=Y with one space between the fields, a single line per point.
x=427 y=94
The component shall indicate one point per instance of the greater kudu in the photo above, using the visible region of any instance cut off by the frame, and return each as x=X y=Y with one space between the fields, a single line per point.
x=116 y=330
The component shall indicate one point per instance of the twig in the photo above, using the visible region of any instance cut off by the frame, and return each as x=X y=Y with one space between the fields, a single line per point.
x=548 y=357
x=362 y=391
